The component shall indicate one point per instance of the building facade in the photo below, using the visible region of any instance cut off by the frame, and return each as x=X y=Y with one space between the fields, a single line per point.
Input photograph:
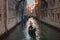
x=48 y=11
x=2 y=28
x=9 y=16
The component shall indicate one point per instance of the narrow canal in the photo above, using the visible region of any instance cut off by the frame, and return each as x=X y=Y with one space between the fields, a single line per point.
x=22 y=34
x=43 y=32
x=34 y=25
x=48 y=32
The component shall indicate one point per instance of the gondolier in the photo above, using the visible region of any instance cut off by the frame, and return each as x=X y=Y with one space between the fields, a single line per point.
x=32 y=31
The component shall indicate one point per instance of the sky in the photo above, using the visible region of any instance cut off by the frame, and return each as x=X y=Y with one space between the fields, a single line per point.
x=30 y=2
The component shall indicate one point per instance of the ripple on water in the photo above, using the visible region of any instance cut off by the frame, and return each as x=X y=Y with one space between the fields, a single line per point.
x=35 y=25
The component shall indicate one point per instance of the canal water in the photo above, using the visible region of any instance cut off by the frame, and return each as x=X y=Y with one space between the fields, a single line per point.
x=43 y=32
x=35 y=25
x=22 y=34
x=48 y=32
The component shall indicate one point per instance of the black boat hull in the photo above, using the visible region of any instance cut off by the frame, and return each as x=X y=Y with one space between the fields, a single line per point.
x=32 y=33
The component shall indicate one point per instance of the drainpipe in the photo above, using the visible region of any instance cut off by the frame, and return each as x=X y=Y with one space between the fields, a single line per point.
x=5 y=15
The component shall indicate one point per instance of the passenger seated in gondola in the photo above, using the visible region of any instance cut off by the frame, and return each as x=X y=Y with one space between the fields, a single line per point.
x=32 y=31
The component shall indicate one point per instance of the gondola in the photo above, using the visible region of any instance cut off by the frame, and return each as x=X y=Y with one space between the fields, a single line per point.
x=32 y=31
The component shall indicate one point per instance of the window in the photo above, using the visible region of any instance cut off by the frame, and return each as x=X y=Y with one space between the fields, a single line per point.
x=53 y=15
x=42 y=0
x=58 y=15
x=59 y=0
x=0 y=16
x=53 y=1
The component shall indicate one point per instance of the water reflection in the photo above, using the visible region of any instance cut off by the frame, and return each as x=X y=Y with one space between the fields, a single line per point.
x=35 y=25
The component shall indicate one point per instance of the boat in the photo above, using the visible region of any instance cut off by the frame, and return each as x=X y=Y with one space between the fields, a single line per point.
x=32 y=31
